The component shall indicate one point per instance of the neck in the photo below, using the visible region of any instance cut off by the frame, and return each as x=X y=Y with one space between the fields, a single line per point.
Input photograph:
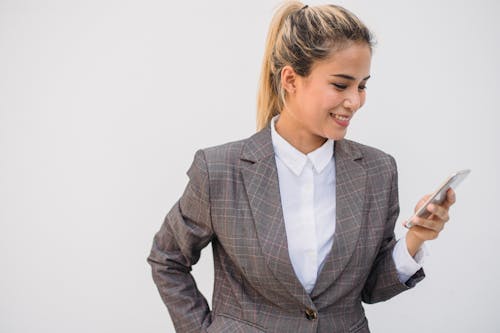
x=295 y=134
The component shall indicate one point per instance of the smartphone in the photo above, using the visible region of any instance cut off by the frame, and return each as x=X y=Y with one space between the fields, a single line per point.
x=439 y=195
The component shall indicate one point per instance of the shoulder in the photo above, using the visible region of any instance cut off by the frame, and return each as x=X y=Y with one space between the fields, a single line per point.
x=225 y=157
x=251 y=149
x=219 y=167
x=222 y=155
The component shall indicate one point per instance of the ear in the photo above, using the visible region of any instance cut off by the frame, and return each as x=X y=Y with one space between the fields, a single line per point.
x=288 y=79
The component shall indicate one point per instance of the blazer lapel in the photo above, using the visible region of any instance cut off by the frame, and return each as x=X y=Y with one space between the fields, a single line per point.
x=350 y=192
x=260 y=177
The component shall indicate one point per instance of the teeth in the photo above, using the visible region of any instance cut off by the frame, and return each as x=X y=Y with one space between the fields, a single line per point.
x=339 y=117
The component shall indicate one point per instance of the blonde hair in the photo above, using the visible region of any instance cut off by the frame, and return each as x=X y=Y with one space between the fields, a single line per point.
x=298 y=36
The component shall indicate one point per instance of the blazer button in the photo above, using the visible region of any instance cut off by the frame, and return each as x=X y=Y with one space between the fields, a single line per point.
x=311 y=314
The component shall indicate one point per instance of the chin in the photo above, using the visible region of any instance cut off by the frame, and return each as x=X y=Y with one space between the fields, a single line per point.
x=336 y=136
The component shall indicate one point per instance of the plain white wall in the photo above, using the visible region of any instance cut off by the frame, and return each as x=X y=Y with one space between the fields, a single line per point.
x=103 y=104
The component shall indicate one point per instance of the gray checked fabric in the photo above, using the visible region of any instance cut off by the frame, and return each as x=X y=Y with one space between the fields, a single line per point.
x=232 y=201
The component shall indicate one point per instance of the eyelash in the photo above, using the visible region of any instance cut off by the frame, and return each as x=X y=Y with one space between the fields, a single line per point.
x=342 y=86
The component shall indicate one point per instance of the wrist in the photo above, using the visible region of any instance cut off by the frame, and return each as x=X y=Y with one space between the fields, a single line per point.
x=413 y=243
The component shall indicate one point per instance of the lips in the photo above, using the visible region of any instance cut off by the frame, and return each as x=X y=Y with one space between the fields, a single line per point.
x=340 y=119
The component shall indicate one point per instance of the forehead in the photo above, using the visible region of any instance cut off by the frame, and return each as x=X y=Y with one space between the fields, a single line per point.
x=353 y=60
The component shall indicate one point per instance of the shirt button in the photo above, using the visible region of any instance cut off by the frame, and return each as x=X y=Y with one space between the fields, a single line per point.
x=311 y=314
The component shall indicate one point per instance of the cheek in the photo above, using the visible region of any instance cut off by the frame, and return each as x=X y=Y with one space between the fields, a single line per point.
x=335 y=100
x=362 y=99
x=315 y=102
x=329 y=98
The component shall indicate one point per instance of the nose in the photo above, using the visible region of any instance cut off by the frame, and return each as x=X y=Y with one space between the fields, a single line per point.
x=352 y=101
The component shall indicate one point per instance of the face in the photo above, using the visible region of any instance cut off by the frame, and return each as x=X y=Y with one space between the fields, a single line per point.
x=321 y=105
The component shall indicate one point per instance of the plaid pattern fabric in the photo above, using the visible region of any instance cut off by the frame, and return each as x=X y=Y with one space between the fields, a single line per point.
x=232 y=201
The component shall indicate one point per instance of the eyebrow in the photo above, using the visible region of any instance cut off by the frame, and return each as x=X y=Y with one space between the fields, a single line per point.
x=348 y=77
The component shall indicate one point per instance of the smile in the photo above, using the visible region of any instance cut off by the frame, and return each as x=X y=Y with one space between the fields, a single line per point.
x=341 y=120
x=339 y=117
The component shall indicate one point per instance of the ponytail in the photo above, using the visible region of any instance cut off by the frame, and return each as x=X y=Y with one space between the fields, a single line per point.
x=270 y=94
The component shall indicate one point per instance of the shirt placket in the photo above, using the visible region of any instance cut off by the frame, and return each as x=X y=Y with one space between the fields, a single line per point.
x=310 y=225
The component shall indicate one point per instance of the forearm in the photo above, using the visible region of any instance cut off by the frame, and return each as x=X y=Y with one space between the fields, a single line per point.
x=176 y=248
x=187 y=307
x=383 y=281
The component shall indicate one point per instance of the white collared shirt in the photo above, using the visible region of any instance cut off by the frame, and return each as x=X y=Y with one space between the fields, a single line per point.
x=307 y=190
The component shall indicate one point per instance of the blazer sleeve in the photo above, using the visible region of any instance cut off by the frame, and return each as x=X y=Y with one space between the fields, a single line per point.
x=185 y=231
x=383 y=281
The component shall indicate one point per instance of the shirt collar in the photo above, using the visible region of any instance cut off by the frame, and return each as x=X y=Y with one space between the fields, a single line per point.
x=296 y=160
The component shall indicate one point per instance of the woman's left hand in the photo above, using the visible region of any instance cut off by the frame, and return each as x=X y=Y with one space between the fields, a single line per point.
x=428 y=228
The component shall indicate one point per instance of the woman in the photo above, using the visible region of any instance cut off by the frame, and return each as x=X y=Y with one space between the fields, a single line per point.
x=301 y=220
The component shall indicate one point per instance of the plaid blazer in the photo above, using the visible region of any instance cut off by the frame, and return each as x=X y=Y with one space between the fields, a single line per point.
x=233 y=201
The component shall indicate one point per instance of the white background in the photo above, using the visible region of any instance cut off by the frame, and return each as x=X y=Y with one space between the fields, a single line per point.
x=103 y=104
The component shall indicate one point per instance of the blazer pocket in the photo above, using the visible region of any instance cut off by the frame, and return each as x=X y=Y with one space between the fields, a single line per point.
x=223 y=323
x=361 y=326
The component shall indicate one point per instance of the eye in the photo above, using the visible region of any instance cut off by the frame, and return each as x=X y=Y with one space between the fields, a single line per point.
x=362 y=88
x=339 y=86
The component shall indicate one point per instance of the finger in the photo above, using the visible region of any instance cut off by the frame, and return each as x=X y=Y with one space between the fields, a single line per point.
x=422 y=201
x=439 y=211
x=428 y=224
x=450 y=198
